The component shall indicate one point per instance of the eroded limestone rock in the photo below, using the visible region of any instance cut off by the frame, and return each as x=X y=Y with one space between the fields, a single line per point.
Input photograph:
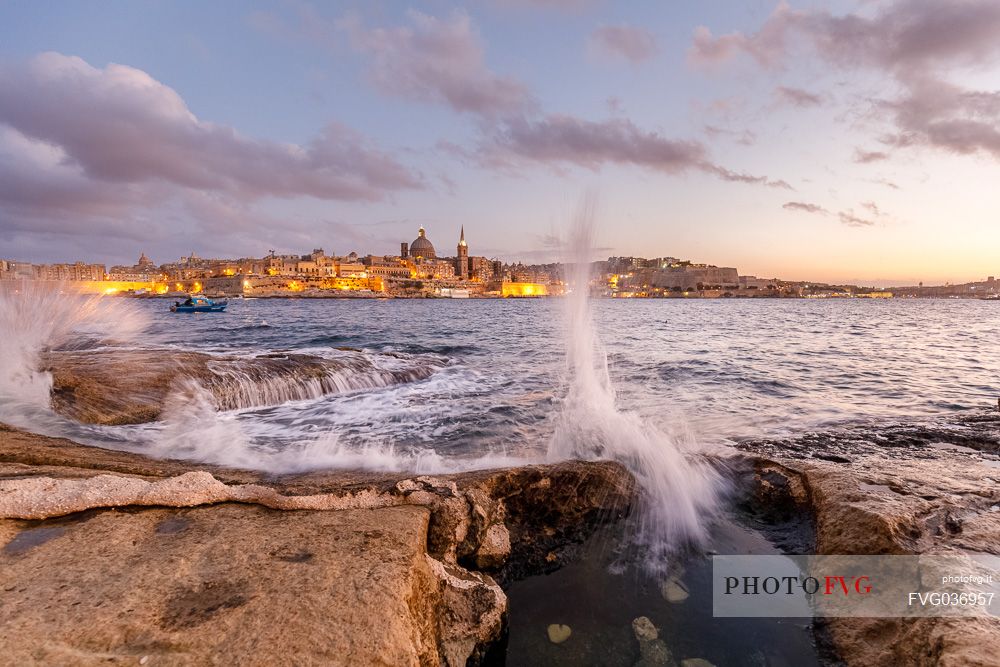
x=332 y=568
x=903 y=489
x=134 y=386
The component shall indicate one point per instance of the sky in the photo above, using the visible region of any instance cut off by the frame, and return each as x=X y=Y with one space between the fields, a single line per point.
x=836 y=142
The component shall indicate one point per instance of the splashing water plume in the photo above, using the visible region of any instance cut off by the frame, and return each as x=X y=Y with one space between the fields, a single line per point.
x=35 y=318
x=680 y=491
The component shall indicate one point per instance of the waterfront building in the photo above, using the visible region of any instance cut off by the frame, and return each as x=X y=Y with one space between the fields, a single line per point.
x=387 y=266
x=435 y=269
x=519 y=273
x=70 y=272
x=684 y=277
x=14 y=270
x=351 y=269
x=755 y=283
x=484 y=270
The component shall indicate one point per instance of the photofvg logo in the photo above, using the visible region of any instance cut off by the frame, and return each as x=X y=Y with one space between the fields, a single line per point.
x=859 y=586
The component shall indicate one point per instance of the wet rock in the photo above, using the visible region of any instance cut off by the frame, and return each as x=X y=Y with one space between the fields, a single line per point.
x=913 y=488
x=135 y=386
x=472 y=609
x=655 y=654
x=652 y=649
x=644 y=629
x=494 y=549
x=696 y=662
x=114 y=588
x=558 y=633
x=206 y=564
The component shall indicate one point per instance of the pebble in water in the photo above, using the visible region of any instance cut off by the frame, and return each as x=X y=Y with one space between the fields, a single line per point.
x=674 y=591
x=559 y=633
x=644 y=629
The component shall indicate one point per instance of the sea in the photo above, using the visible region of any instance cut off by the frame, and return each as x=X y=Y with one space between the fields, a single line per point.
x=458 y=384
x=497 y=370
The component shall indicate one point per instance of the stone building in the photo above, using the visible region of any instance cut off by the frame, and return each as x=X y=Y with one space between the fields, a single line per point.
x=422 y=248
x=74 y=271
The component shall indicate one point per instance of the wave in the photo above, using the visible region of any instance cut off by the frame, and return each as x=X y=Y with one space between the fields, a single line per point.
x=194 y=430
x=276 y=379
x=35 y=318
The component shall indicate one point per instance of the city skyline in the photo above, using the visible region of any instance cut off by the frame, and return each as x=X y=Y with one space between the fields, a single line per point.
x=844 y=142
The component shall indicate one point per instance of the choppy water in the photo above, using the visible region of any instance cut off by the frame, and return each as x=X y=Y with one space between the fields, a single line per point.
x=702 y=370
x=724 y=368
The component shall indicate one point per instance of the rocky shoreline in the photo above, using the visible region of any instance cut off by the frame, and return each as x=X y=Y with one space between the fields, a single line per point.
x=111 y=557
x=927 y=487
x=114 y=558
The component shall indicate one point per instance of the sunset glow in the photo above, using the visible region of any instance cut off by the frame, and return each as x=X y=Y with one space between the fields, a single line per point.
x=847 y=142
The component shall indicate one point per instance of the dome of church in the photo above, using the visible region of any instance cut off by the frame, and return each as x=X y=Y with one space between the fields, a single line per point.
x=422 y=247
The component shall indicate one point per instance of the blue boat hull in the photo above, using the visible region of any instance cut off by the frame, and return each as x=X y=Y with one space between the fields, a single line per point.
x=198 y=309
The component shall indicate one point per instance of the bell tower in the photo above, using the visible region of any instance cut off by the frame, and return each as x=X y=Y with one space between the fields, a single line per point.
x=462 y=260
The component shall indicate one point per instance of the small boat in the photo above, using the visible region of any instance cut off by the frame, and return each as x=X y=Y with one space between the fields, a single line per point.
x=197 y=303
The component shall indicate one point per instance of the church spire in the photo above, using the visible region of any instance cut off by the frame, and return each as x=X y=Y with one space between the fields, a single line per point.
x=461 y=240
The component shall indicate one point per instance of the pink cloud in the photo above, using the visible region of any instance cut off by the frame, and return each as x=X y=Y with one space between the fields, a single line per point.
x=624 y=42
x=851 y=220
x=560 y=140
x=440 y=61
x=805 y=207
x=119 y=125
x=797 y=97
x=919 y=43
x=867 y=157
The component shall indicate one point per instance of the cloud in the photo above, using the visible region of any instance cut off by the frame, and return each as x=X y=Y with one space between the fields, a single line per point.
x=564 y=138
x=442 y=61
x=739 y=177
x=847 y=217
x=919 y=43
x=851 y=220
x=744 y=138
x=887 y=183
x=624 y=42
x=797 y=97
x=873 y=208
x=867 y=157
x=803 y=206
x=767 y=46
x=36 y=176
x=946 y=116
x=439 y=61
x=118 y=125
x=560 y=139
x=904 y=34
x=562 y=5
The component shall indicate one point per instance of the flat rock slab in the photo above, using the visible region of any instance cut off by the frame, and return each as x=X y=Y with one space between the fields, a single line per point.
x=218 y=585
